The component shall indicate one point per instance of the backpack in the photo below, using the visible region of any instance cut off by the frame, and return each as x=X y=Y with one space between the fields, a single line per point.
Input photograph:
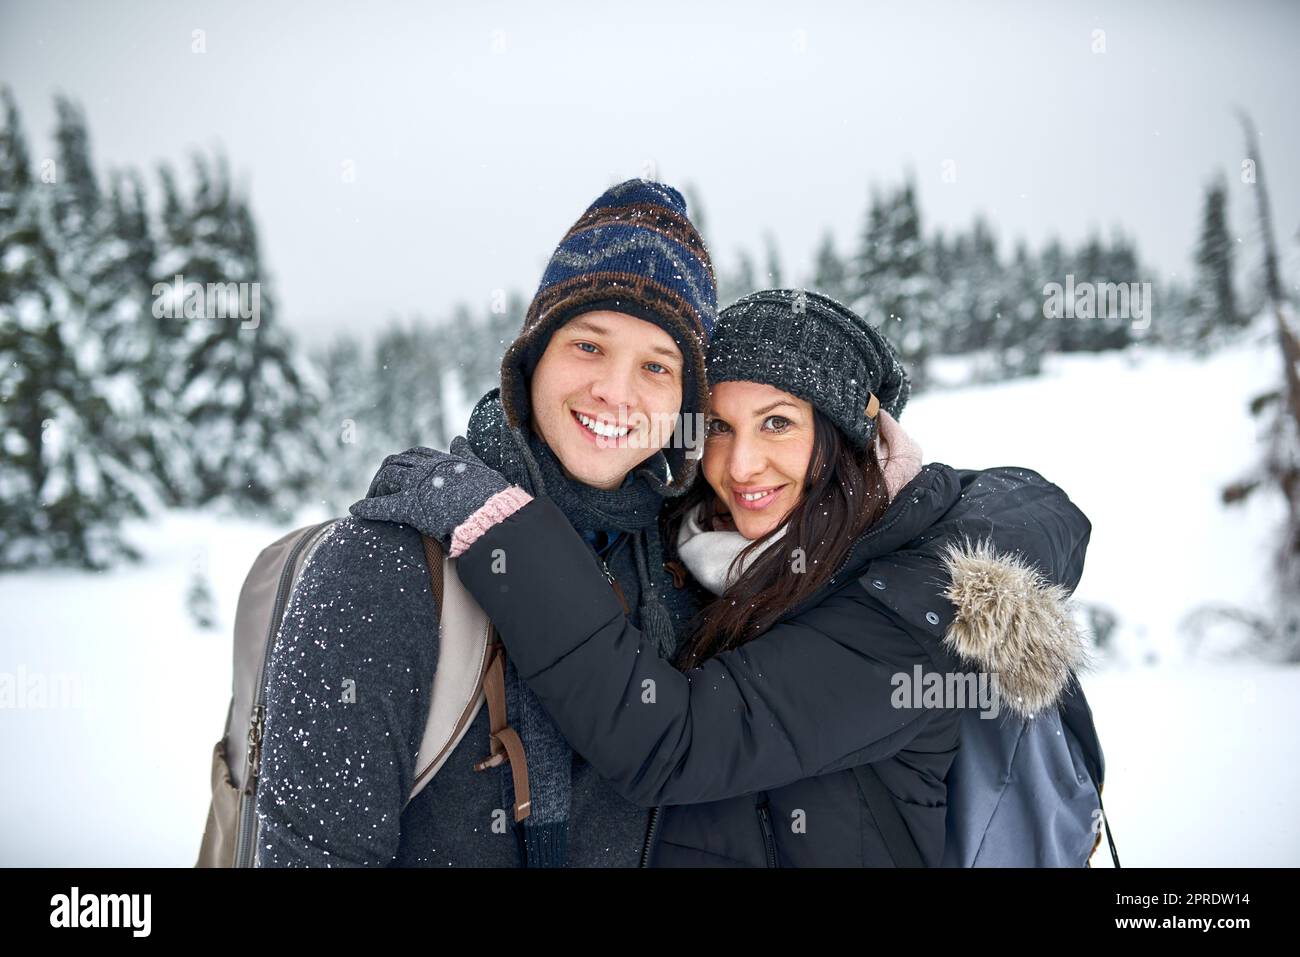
x=1026 y=792
x=470 y=671
x=1022 y=792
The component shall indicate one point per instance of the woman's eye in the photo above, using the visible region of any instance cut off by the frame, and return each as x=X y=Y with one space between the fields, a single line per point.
x=656 y=368
x=777 y=423
x=587 y=347
x=716 y=427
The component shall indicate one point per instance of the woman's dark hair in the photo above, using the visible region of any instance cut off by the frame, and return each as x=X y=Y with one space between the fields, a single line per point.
x=844 y=495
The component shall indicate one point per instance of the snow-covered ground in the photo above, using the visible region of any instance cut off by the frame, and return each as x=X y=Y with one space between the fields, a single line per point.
x=1202 y=755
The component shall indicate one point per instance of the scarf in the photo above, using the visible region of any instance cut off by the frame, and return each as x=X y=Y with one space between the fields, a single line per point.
x=711 y=556
x=524 y=459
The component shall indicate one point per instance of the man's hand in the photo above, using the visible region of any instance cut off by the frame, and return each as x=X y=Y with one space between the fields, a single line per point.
x=432 y=491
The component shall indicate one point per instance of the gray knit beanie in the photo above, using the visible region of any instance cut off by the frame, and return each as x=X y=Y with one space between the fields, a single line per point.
x=815 y=348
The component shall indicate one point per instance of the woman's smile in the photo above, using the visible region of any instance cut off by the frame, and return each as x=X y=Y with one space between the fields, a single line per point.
x=755 y=498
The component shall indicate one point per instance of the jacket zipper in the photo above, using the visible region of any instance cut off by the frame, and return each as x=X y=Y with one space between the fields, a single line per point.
x=245 y=834
x=864 y=539
x=649 y=836
x=853 y=550
x=613 y=583
x=769 y=837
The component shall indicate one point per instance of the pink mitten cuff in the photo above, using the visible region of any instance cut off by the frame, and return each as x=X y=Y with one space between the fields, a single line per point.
x=494 y=510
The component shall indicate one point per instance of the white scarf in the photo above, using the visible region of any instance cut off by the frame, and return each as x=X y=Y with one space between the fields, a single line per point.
x=709 y=555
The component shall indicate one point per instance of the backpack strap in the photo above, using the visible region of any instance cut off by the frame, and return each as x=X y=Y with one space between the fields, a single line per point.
x=1105 y=821
x=506 y=743
x=433 y=558
x=1076 y=715
x=892 y=827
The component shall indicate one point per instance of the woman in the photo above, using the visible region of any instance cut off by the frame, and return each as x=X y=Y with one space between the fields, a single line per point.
x=813 y=717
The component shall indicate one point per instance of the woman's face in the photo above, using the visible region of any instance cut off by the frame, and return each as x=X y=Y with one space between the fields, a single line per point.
x=759 y=442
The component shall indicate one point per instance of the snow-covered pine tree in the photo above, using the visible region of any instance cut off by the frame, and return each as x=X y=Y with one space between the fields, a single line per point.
x=1097 y=326
x=142 y=349
x=410 y=365
x=31 y=353
x=772 y=274
x=1083 y=333
x=136 y=351
x=969 y=292
x=247 y=399
x=1213 y=299
x=70 y=399
x=830 y=272
x=894 y=286
x=1120 y=266
x=733 y=284
x=1022 y=335
x=200 y=602
x=476 y=344
x=985 y=278
x=1279 y=465
x=944 y=258
x=471 y=353
x=351 y=441
x=1052 y=266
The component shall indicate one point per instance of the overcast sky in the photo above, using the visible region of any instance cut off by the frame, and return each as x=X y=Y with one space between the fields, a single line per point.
x=477 y=136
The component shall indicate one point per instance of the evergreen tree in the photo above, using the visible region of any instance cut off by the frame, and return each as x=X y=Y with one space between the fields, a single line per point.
x=1021 y=334
x=1100 y=321
x=201 y=603
x=246 y=400
x=1122 y=269
x=67 y=394
x=1052 y=266
x=894 y=286
x=31 y=353
x=351 y=441
x=149 y=345
x=1213 y=300
x=773 y=267
x=409 y=368
x=985 y=278
x=741 y=282
x=475 y=346
x=830 y=274
x=970 y=289
x=1278 y=468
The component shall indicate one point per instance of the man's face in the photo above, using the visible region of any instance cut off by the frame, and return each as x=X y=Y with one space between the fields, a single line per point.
x=605 y=395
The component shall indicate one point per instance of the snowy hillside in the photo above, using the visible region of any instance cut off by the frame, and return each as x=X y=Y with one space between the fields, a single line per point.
x=1141 y=441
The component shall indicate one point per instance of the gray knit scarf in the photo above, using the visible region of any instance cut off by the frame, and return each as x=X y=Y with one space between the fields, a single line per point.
x=522 y=458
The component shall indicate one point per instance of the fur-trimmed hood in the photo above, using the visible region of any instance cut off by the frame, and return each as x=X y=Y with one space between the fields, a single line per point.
x=985 y=562
x=1012 y=622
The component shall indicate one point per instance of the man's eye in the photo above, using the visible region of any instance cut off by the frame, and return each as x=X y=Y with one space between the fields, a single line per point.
x=716 y=427
x=587 y=347
x=656 y=368
x=778 y=423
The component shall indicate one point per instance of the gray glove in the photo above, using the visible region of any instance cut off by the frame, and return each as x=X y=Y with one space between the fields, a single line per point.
x=433 y=491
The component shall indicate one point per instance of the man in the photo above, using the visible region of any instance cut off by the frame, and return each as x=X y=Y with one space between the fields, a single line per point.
x=612 y=347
